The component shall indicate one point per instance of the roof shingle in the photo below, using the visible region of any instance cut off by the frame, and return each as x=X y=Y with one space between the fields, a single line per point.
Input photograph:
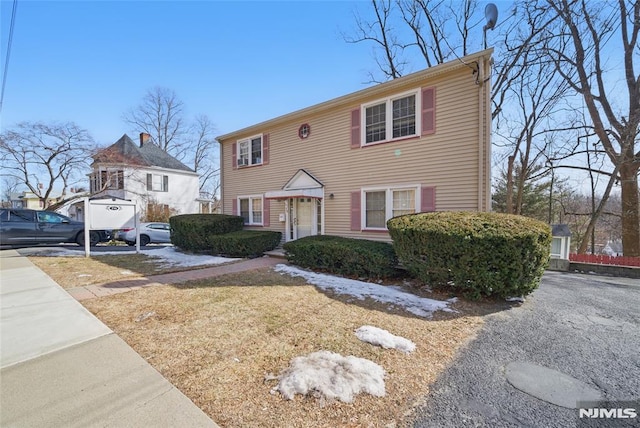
x=125 y=151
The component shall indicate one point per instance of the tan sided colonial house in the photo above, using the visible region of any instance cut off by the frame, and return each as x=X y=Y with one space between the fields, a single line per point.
x=344 y=167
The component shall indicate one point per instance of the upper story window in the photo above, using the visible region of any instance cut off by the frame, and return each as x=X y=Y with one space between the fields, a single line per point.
x=157 y=183
x=107 y=179
x=390 y=118
x=250 y=151
x=406 y=115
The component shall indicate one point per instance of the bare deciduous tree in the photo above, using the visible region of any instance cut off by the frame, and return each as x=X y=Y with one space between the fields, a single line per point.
x=46 y=156
x=9 y=186
x=161 y=115
x=206 y=157
x=587 y=36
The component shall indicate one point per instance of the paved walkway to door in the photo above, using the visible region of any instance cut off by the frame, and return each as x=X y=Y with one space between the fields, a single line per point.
x=123 y=286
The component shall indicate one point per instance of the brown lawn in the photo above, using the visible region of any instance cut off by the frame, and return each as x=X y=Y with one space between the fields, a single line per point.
x=221 y=340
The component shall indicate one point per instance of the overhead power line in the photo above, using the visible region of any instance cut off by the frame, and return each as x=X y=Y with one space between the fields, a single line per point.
x=6 y=60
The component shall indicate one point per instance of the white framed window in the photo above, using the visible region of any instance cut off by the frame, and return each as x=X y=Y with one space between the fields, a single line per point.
x=250 y=151
x=157 y=183
x=103 y=179
x=250 y=208
x=381 y=204
x=391 y=118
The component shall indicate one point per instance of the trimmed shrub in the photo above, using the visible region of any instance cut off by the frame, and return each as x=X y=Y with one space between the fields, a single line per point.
x=192 y=232
x=478 y=254
x=243 y=243
x=343 y=256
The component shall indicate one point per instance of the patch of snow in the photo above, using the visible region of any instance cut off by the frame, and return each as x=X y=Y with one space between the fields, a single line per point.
x=168 y=255
x=331 y=376
x=174 y=257
x=393 y=295
x=82 y=275
x=144 y=316
x=380 y=337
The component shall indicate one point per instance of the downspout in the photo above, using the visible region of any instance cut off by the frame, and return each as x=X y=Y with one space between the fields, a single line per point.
x=488 y=133
x=480 y=131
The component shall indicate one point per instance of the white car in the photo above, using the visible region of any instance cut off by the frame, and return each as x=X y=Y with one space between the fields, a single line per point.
x=150 y=233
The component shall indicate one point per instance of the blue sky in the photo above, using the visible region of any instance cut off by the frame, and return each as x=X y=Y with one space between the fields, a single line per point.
x=238 y=62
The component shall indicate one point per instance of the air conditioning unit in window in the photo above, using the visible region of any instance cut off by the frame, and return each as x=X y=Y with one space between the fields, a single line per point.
x=243 y=162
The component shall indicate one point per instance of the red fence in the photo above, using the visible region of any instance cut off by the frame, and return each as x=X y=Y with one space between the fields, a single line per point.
x=605 y=260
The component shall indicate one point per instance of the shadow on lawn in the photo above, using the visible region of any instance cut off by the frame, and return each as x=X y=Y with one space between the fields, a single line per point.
x=266 y=277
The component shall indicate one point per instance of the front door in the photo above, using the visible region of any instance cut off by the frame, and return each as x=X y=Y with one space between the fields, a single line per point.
x=303 y=219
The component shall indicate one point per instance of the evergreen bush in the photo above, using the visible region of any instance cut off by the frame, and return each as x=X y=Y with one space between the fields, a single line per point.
x=192 y=232
x=478 y=254
x=243 y=243
x=343 y=256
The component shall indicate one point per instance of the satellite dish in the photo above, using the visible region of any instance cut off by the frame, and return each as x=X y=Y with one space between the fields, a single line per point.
x=491 y=14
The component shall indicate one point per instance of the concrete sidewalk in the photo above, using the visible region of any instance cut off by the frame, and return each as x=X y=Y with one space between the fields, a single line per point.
x=61 y=366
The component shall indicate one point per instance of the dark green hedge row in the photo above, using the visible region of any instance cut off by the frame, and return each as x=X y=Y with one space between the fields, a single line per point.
x=192 y=232
x=244 y=243
x=478 y=254
x=343 y=256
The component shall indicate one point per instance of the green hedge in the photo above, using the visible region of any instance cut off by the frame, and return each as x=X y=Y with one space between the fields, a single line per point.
x=343 y=256
x=192 y=232
x=244 y=243
x=479 y=254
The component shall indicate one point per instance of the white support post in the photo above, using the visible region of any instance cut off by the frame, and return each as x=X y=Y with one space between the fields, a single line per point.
x=87 y=241
x=137 y=221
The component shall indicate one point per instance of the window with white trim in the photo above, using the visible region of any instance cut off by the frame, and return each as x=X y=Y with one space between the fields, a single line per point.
x=391 y=118
x=106 y=179
x=157 y=183
x=250 y=151
x=250 y=209
x=382 y=204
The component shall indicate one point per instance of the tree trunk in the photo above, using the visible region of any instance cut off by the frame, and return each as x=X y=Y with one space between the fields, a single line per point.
x=509 y=195
x=630 y=208
x=596 y=215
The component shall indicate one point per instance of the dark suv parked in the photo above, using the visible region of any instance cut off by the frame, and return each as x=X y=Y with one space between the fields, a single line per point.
x=31 y=227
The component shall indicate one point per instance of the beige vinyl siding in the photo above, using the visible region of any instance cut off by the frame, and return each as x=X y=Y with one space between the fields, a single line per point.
x=448 y=159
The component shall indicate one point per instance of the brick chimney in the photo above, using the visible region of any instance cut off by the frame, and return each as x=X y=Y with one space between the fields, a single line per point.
x=144 y=137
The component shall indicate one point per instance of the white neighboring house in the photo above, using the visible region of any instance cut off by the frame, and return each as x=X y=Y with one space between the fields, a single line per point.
x=147 y=174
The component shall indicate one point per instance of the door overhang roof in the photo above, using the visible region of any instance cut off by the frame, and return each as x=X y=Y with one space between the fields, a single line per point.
x=301 y=185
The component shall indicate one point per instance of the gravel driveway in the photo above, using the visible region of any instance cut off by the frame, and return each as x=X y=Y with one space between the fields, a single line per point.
x=584 y=326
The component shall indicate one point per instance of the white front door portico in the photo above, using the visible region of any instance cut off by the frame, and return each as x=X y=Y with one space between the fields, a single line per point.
x=304 y=205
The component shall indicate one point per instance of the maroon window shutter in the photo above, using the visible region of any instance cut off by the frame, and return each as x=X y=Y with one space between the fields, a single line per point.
x=428 y=111
x=355 y=211
x=234 y=155
x=266 y=212
x=355 y=128
x=428 y=199
x=265 y=149
x=234 y=207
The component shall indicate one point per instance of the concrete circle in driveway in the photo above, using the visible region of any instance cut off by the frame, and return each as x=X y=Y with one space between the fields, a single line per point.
x=550 y=385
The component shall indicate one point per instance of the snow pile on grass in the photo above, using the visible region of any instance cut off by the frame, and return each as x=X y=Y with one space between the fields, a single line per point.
x=173 y=257
x=167 y=255
x=417 y=305
x=380 y=337
x=331 y=376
